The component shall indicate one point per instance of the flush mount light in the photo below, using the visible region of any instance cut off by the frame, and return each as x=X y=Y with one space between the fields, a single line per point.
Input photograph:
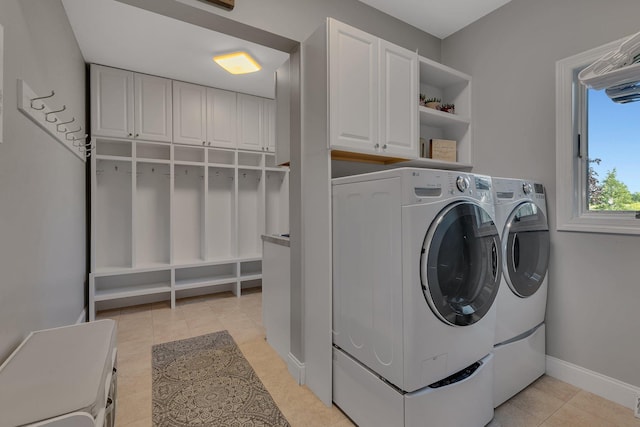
x=237 y=63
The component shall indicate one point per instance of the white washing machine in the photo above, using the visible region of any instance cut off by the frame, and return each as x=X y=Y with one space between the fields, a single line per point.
x=416 y=270
x=521 y=215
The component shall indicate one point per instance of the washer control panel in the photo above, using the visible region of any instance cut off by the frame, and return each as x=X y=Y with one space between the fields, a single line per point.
x=462 y=182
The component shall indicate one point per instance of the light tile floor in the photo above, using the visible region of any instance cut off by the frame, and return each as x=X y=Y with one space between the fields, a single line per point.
x=547 y=402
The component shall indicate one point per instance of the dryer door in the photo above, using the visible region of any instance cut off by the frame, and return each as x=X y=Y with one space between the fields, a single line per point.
x=525 y=249
x=459 y=266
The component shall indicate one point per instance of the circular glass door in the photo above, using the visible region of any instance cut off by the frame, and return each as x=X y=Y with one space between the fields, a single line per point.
x=525 y=249
x=459 y=266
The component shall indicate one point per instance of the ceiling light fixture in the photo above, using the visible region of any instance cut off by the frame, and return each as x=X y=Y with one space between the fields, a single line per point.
x=237 y=63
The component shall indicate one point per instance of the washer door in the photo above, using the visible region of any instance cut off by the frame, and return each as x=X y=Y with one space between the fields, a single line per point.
x=459 y=265
x=525 y=249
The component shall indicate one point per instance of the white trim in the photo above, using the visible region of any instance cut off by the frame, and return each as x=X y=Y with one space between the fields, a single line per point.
x=606 y=387
x=296 y=369
x=83 y=316
x=570 y=216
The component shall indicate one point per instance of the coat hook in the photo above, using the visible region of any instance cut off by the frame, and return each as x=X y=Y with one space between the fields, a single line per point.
x=64 y=123
x=41 y=97
x=55 y=119
x=67 y=133
x=79 y=140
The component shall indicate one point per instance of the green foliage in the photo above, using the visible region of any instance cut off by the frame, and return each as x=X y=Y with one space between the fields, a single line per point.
x=612 y=194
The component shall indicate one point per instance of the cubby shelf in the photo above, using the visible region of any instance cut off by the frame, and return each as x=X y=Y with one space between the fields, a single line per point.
x=168 y=219
x=452 y=87
x=132 y=291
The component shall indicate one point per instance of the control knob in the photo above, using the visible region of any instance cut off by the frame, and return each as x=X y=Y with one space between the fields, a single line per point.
x=462 y=182
x=527 y=188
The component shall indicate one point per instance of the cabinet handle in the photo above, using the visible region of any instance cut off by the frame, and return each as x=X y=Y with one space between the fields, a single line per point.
x=376 y=146
x=137 y=135
x=384 y=147
x=130 y=134
x=204 y=143
x=209 y=143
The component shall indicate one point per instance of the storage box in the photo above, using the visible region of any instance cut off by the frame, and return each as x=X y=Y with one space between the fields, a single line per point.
x=443 y=149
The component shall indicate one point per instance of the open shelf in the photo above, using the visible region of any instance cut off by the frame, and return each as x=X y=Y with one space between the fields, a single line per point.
x=188 y=154
x=221 y=157
x=198 y=277
x=246 y=158
x=276 y=205
x=113 y=214
x=431 y=117
x=152 y=152
x=250 y=212
x=221 y=213
x=152 y=214
x=132 y=285
x=452 y=87
x=188 y=213
x=250 y=270
x=109 y=148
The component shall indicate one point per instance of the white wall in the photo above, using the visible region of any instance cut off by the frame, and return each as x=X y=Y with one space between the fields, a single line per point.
x=42 y=184
x=594 y=285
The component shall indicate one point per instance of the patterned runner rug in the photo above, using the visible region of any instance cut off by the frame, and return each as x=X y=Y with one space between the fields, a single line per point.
x=206 y=381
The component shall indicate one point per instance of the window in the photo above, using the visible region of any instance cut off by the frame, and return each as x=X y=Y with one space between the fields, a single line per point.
x=597 y=154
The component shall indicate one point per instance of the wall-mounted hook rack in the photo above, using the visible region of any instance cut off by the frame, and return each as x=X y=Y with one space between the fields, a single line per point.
x=53 y=113
x=64 y=123
x=37 y=110
x=37 y=98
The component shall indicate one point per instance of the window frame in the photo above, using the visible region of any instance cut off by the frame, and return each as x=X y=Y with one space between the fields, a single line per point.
x=572 y=213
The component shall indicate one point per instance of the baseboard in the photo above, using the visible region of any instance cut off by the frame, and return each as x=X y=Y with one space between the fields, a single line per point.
x=296 y=369
x=83 y=316
x=606 y=387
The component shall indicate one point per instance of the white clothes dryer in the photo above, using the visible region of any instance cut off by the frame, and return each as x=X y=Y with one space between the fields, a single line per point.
x=416 y=270
x=519 y=350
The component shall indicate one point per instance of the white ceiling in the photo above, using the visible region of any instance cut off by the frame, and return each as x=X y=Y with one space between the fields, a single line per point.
x=438 y=17
x=115 y=34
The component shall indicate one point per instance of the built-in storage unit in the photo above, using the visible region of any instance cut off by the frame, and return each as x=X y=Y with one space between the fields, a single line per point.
x=256 y=123
x=452 y=87
x=373 y=93
x=172 y=220
x=125 y=104
x=164 y=222
x=204 y=115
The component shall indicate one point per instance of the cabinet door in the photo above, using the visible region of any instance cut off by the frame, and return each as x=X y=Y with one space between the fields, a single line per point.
x=152 y=108
x=269 y=120
x=398 y=101
x=221 y=118
x=111 y=102
x=190 y=113
x=353 y=88
x=250 y=127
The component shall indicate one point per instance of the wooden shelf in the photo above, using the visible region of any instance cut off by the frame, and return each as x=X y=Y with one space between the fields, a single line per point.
x=364 y=158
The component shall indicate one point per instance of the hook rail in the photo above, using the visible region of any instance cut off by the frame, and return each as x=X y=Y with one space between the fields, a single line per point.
x=35 y=107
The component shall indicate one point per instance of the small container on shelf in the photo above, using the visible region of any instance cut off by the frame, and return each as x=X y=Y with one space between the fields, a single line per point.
x=443 y=149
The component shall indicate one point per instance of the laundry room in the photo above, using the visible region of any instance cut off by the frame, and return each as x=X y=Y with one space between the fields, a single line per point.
x=409 y=218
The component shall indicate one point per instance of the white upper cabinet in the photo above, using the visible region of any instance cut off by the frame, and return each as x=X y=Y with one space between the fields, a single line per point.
x=373 y=93
x=269 y=125
x=111 y=102
x=221 y=118
x=152 y=108
x=353 y=88
x=256 y=123
x=189 y=113
x=130 y=105
x=398 y=120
